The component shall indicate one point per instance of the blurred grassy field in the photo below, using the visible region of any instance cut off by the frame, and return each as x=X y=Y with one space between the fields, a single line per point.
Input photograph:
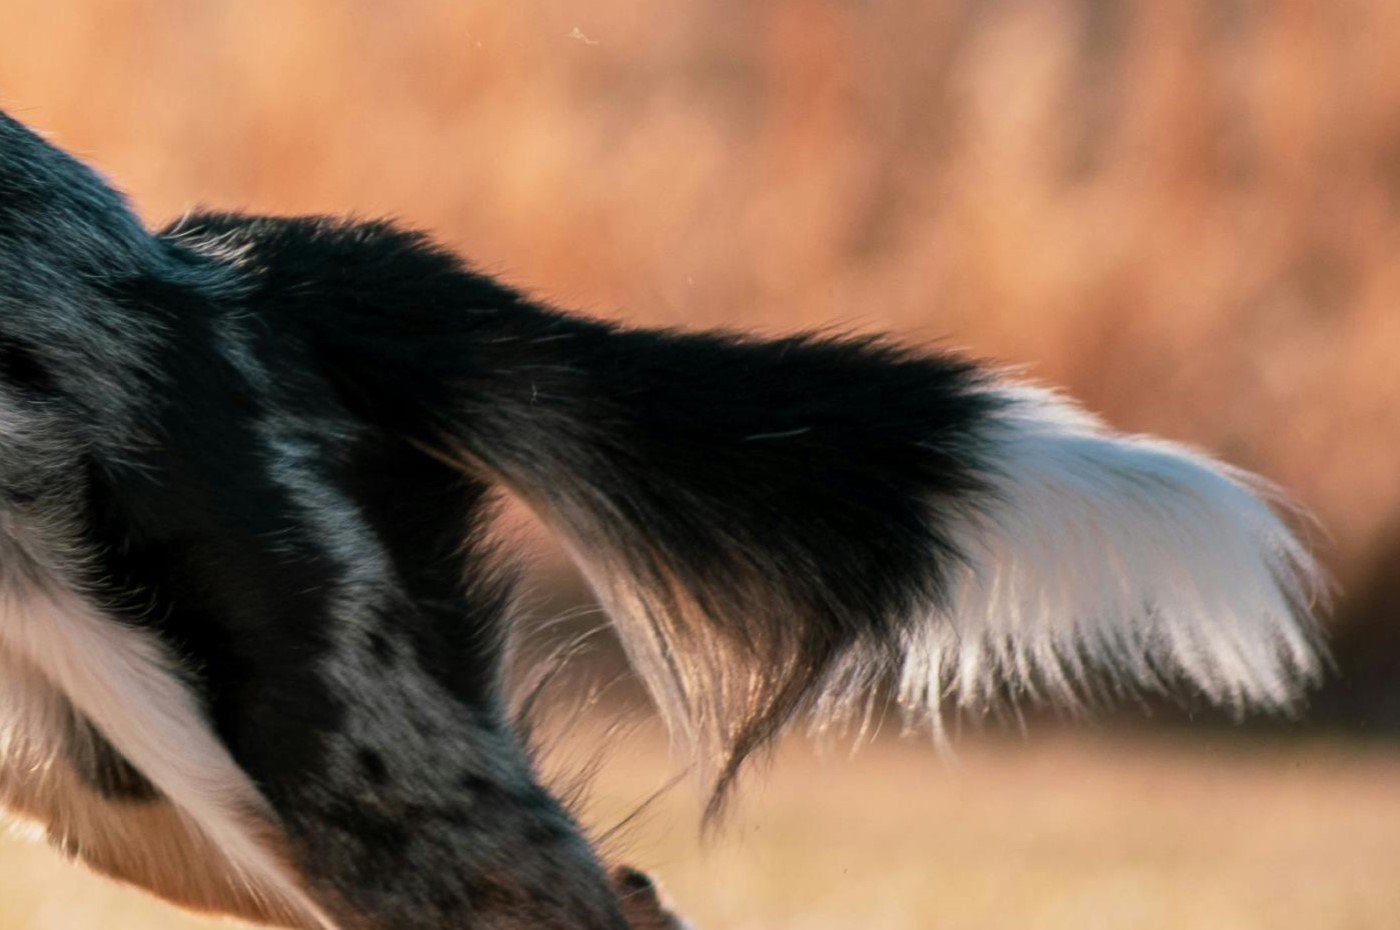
x=1053 y=833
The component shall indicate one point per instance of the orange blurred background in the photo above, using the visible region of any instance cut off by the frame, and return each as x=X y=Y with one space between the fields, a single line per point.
x=1187 y=213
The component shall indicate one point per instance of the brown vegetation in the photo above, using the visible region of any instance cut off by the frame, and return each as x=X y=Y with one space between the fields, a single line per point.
x=1186 y=212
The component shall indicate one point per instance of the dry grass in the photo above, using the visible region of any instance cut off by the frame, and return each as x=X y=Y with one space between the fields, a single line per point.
x=1050 y=834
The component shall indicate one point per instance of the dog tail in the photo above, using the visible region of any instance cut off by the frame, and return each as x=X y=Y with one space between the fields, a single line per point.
x=786 y=527
x=781 y=527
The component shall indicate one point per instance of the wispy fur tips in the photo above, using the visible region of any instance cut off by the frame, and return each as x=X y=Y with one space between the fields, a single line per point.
x=783 y=528
x=1099 y=561
x=252 y=627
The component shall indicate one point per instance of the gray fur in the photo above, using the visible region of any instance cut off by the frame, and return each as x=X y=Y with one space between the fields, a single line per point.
x=425 y=813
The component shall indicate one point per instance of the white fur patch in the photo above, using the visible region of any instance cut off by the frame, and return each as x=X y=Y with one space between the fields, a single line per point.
x=120 y=680
x=1118 y=558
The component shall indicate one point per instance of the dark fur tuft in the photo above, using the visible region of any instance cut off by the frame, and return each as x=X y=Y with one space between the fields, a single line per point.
x=254 y=622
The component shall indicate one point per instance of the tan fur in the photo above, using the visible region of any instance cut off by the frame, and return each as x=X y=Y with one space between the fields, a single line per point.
x=209 y=844
x=644 y=906
x=150 y=843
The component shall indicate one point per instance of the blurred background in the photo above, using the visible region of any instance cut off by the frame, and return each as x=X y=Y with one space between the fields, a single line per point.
x=1186 y=212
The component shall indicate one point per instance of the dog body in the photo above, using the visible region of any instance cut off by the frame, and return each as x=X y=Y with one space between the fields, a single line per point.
x=253 y=627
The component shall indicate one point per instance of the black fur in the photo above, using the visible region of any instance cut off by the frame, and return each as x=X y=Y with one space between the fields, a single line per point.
x=717 y=460
x=271 y=446
x=369 y=712
x=101 y=767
